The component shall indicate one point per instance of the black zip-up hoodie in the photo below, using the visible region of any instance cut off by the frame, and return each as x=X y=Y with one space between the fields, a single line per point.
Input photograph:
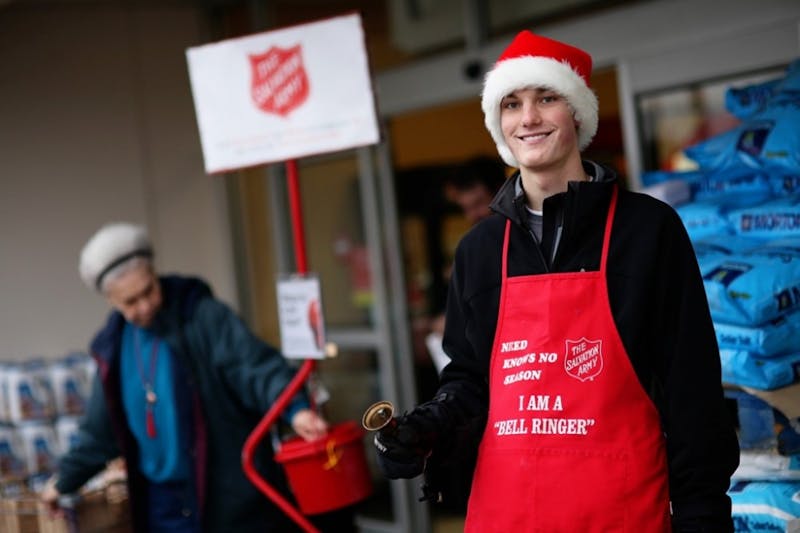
x=659 y=307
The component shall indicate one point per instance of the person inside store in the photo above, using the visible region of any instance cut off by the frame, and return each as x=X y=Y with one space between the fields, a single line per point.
x=181 y=383
x=583 y=358
x=471 y=188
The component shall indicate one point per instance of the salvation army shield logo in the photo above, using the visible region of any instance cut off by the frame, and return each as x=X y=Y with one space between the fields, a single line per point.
x=584 y=358
x=279 y=81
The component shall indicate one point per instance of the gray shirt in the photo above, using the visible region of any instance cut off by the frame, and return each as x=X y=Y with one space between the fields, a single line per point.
x=536 y=218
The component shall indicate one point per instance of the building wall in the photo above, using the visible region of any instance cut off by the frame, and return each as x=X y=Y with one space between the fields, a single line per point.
x=651 y=45
x=97 y=124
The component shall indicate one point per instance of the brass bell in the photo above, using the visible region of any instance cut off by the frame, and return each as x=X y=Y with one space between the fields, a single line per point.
x=378 y=416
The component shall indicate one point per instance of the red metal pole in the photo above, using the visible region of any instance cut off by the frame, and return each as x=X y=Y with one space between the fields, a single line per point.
x=296 y=208
x=258 y=434
x=302 y=374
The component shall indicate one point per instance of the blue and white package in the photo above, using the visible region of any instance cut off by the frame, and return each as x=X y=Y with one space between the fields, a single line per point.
x=736 y=189
x=776 y=337
x=703 y=219
x=727 y=244
x=708 y=255
x=780 y=150
x=745 y=369
x=752 y=288
x=743 y=102
x=719 y=153
x=784 y=184
x=765 y=505
x=773 y=219
x=791 y=82
x=769 y=140
x=709 y=250
x=695 y=178
x=781 y=249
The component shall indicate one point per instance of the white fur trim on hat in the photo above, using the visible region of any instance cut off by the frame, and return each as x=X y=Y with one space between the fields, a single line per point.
x=530 y=71
x=109 y=247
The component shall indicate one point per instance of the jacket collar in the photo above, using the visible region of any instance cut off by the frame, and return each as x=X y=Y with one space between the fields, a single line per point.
x=510 y=199
x=180 y=296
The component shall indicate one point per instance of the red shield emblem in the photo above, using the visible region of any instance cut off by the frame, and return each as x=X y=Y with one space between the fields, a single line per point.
x=584 y=359
x=280 y=83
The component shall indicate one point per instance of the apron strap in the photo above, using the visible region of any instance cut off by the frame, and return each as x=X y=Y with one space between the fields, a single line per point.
x=609 y=222
x=505 y=251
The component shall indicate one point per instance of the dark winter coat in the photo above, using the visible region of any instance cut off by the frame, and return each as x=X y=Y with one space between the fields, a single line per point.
x=226 y=380
x=659 y=306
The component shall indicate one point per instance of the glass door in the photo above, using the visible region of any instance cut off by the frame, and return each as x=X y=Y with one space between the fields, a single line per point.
x=353 y=245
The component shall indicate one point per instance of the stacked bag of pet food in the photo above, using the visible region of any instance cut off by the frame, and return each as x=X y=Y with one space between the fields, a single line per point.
x=741 y=208
x=40 y=404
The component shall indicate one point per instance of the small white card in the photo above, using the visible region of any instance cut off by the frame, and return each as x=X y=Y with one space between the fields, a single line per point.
x=302 y=324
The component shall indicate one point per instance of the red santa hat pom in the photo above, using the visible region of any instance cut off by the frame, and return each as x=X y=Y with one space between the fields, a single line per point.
x=535 y=61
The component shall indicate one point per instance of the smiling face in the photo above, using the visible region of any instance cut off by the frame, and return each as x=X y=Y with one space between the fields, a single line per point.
x=136 y=294
x=539 y=128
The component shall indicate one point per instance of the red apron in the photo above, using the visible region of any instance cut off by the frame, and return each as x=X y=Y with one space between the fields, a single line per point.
x=573 y=443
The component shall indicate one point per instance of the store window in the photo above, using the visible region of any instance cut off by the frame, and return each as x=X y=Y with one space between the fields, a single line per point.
x=672 y=119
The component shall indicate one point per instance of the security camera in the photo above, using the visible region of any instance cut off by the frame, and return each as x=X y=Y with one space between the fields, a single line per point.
x=473 y=70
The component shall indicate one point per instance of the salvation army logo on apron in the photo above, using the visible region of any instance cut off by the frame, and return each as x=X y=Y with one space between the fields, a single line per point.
x=584 y=358
x=279 y=81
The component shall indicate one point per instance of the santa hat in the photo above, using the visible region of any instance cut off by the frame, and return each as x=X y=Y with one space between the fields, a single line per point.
x=535 y=61
x=112 y=245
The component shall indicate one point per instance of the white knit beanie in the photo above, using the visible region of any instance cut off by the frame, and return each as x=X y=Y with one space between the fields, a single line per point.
x=112 y=245
x=535 y=61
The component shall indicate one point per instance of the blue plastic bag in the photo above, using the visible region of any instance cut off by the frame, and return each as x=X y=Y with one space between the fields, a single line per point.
x=719 y=153
x=765 y=505
x=769 y=140
x=774 y=219
x=754 y=287
x=743 y=368
x=784 y=184
x=704 y=219
x=774 y=338
x=736 y=189
x=743 y=102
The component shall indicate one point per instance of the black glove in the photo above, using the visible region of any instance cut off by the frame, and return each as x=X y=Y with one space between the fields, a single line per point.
x=404 y=445
x=396 y=462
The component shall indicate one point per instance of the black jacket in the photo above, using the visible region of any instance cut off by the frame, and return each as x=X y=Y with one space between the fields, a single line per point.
x=660 y=309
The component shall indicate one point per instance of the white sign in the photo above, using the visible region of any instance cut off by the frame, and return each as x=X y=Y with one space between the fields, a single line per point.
x=283 y=94
x=302 y=325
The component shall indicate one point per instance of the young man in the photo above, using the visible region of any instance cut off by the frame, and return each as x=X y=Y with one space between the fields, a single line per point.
x=583 y=354
x=181 y=384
